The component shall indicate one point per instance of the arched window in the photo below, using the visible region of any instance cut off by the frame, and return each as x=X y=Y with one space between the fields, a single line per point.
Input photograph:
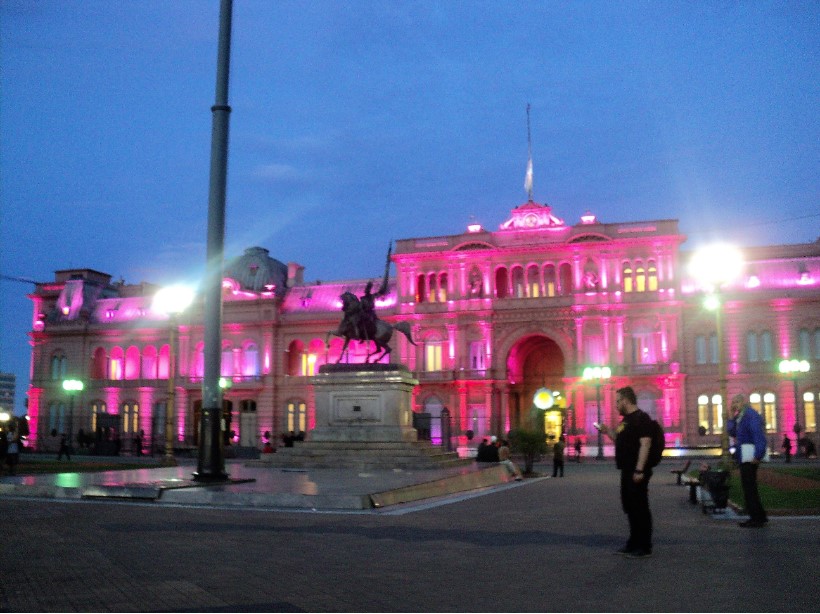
x=149 y=362
x=764 y=404
x=766 y=346
x=549 y=280
x=433 y=352
x=116 y=363
x=296 y=416
x=314 y=357
x=714 y=350
x=59 y=364
x=565 y=275
x=130 y=415
x=442 y=288
x=640 y=278
x=432 y=288
x=533 y=282
x=97 y=408
x=700 y=353
x=132 y=363
x=164 y=361
x=250 y=360
x=518 y=282
x=199 y=360
x=752 y=354
x=805 y=344
x=710 y=414
x=421 y=289
x=57 y=418
x=810 y=409
x=226 y=364
x=627 y=277
x=98 y=364
x=652 y=279
x=501 y=283
x=296 y=350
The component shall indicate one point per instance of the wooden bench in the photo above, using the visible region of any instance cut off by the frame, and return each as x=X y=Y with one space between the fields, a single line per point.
x=681 y=470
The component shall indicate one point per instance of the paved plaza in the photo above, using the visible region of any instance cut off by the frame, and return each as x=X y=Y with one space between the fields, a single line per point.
x=539 y=545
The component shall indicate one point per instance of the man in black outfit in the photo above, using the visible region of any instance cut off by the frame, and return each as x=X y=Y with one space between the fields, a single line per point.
x=633 y=439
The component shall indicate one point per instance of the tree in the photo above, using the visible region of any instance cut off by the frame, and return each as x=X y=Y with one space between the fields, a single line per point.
x=530 y=443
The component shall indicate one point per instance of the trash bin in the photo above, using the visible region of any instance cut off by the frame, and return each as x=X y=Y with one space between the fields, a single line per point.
x=716 y=484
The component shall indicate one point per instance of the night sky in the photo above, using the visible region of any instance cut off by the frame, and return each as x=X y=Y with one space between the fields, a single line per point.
x=355 y=123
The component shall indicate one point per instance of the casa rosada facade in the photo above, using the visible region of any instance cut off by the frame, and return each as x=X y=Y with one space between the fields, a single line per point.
x=496 y=316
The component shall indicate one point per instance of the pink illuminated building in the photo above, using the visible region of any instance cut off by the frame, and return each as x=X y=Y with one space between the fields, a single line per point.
x=496 y=316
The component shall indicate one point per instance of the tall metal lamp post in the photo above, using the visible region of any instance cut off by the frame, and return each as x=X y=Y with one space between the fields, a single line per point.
x=171 y=301
x=713 y=267
x=72 y=387
x=598 y=375
x=791 y=369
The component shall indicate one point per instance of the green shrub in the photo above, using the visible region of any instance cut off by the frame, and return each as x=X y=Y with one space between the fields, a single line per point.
x=530 y=443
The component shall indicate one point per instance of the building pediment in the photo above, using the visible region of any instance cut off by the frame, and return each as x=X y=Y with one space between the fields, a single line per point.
x=531 y=216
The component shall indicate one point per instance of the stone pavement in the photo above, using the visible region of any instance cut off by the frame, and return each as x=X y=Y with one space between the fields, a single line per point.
x=538 y=545
x=259 y=486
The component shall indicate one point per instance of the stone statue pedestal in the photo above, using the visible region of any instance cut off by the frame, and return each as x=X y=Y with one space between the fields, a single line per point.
x=363 y=403
x=364 y=420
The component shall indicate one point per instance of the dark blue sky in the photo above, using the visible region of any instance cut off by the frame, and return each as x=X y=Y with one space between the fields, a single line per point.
x=359 y=122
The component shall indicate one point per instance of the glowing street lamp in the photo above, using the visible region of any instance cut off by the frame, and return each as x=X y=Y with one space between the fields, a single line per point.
x=171 y=301
x=791 y=369
x=598 y=375
x=72 y=387
x=714 y=266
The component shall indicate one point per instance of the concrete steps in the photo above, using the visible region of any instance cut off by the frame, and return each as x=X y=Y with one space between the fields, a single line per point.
x=361 y=455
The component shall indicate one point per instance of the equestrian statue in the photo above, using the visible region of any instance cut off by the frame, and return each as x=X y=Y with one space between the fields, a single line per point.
x=361 y=323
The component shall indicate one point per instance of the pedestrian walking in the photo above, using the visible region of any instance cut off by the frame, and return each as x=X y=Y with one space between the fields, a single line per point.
x=787 y=447
x=64 y=448
x=12 y=450
x=577 y=449
x=750 y=447
x=558 y=457
x=633 y=440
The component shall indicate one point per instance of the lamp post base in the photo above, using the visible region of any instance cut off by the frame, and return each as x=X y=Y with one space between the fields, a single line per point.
x=200 y=476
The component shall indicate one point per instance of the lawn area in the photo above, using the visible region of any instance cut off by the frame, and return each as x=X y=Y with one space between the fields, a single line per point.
x=782 y=498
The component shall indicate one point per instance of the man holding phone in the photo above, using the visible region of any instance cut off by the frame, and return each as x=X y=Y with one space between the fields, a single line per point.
x=633 y=439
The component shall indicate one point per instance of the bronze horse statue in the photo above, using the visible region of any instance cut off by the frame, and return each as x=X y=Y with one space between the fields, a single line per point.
x=355 y=326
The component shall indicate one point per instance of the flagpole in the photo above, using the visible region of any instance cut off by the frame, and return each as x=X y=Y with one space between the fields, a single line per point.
x=528 y=178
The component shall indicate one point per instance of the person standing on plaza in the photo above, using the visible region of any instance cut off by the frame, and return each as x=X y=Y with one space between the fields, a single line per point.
x=558 y=457
x=633 y=440
x=577 y=449
x=750 y=448
x=787 y=447
x=64 y=448
x=12 y=450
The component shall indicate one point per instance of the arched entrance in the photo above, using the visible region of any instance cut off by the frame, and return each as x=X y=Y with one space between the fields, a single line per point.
x=535 y=362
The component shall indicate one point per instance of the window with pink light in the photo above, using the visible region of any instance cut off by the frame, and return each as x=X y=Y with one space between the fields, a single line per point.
x=116 y=364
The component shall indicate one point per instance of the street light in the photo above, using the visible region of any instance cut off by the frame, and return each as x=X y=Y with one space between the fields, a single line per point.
x=791 y=369
x=72 y=387
x=714 y=266
x=598 y=375
x=171 y=301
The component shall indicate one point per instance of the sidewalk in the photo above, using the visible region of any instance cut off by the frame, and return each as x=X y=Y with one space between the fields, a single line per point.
x=539 y=545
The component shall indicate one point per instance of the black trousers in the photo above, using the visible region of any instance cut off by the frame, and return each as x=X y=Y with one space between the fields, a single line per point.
x=748 y=479
x=635 y=501
x=557 y=465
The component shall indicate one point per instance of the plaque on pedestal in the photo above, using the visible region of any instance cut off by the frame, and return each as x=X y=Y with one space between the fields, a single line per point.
x=364 y=403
